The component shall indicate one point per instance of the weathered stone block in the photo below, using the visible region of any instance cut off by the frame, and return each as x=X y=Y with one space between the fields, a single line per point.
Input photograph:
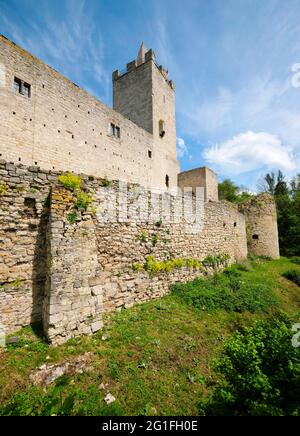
x=96 y=326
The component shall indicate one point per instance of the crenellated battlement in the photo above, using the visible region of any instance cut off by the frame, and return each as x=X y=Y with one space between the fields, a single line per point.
x=143 y=57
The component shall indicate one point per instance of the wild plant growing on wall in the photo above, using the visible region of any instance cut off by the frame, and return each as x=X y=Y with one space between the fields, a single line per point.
x=215 y=261
x=3 y=188
x=154 y=266
x=82 y=199
x=70 y=181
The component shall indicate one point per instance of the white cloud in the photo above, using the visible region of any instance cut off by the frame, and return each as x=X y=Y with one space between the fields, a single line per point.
x=182 y=149
x=250 y=151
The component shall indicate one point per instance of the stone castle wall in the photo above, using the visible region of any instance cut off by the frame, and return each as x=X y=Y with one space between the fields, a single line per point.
x=62 y=127
x=68 y=274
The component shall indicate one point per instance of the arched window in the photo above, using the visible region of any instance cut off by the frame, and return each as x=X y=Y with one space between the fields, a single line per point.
x=167 y=180
x=161 y=128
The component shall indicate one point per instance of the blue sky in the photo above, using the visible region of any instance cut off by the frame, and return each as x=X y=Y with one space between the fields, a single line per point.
x=237 y=98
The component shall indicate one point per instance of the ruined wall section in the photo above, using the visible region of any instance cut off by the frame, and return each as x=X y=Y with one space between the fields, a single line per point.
x=62 y=127
x=261 y=225
x=23 y=258
x=73 y=298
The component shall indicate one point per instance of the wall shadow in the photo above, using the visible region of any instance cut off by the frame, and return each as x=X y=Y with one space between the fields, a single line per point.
x=39 y=271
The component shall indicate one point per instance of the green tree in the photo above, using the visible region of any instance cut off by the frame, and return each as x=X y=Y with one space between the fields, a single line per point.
x=230 y=192
x=287 y=198
x=259 y=372
x=270 y=181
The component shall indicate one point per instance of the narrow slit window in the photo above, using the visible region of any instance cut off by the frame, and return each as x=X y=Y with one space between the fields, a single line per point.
x=17 y=85
x=167 y=181
x=161 y=126
x=114 y=130
x=26 y=90
x=149 y=154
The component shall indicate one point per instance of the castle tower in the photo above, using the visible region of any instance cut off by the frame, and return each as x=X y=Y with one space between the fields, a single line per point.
x=144 y=94
x=200 y=178
x=261 y=226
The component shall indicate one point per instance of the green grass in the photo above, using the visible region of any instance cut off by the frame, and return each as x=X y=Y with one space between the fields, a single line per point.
x=295 y=259
x=293 y=275
x=233 y=291
x=159 y=356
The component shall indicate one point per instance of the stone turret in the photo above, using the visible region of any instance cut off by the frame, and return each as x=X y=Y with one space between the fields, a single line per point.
x=261 y=226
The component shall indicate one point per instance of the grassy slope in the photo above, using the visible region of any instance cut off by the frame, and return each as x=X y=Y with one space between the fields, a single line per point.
x=157 y=358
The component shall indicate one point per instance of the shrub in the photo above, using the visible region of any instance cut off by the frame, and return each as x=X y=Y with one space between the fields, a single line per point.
x=216 y=261
x=70 y=181
x=295 y=259
x=137 y=267
x=105 y=182
x=3 y=188
x=193 y=263
x=226 y=291
x=260 y=372
x=154 y=266
x=293 y=275
x=72 y=217
x=142 y=237
x=83 y=200
x=154 y=239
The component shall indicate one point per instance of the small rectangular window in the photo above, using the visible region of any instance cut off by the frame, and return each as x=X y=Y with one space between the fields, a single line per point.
x=22 y=87
x=149 y=154
x=26 y=89
x=17 y=85
x=114 y=131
